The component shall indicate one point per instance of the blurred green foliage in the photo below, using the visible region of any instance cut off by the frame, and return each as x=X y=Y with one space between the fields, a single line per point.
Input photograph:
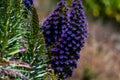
x=103 y=8
x=88 y=74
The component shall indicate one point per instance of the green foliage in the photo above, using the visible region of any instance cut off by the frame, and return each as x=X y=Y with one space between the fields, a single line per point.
x=11 y=34
x=10 y=28
x=34 y=41
x=22 y=52
x=104 y=8
x=88 y=74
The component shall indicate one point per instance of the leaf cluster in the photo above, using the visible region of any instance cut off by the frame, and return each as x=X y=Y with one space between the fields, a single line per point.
x=22 y=51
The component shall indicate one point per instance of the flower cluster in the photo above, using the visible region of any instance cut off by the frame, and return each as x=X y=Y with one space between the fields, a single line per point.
x=78 y=24
x=54 y=24
x=28 y=3
x=66 y=45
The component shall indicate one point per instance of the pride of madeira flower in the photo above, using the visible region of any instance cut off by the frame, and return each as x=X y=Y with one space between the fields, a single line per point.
x=65 y=31
x=53 y=25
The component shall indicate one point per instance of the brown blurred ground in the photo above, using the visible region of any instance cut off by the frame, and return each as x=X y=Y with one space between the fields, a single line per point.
x=102 y=51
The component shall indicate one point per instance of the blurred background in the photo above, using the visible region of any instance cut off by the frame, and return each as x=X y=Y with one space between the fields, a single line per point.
x=100 y=58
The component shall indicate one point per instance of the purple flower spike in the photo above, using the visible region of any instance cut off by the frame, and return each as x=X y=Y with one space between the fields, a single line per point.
x=55 y=23
x=65 y=31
